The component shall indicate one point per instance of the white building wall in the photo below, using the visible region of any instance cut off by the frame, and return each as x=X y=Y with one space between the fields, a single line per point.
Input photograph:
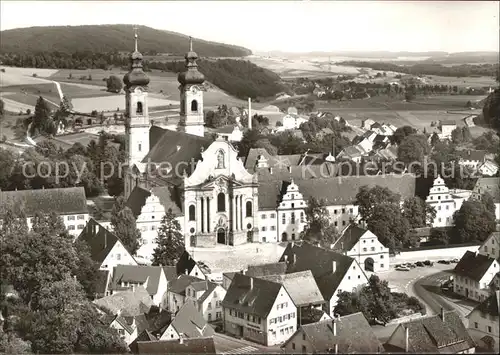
x=127 y=338
x=161 y=294
x=117 y=256
x=491 y=247
x=369 y=247
x=476 y=290
x=481 y=325
x=212 y=307
x=352 y=280
x=280 y=331
x=170 y=333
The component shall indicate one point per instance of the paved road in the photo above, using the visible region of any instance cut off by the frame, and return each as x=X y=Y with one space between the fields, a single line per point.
x=428 y=288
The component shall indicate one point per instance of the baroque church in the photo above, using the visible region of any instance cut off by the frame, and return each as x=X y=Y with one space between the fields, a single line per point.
x=216 y=196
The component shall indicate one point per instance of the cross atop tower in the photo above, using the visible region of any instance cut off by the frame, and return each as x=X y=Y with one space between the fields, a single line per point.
x=190 y=43
x=135 y=36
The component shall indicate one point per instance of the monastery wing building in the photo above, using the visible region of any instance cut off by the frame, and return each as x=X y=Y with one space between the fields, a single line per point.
x=215 y=198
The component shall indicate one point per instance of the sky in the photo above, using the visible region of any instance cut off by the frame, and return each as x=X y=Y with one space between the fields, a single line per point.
x=290 y=26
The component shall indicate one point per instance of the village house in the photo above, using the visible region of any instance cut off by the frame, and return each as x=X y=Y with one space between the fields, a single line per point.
x=302 y=288
x=333 y=272
x=484 y=323
x=259 y=310
x=490 y=186
x=349 y=334
x=367 y=123
x=231 y=133
x=445 y=201
x=128 y=332
x=491 y=246
x=446 y=127
x=188 y=266
x=353 y=153
x=471 y=159
x=442 y=333
x=365 y=247
x=187 y=323
x=292 y=120
x=473 y=275
x=207 y=297
x=130 y=303
x=107 y=250
x=152 y=278
x=176 y=293
x=69 y=203
x=488 y=168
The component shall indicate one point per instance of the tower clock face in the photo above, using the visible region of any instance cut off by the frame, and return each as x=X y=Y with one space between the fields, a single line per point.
x=194 y=89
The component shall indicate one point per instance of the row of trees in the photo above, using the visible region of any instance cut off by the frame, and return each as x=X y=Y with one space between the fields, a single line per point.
x=45 y=167
x=463 y=70
x=50 y=311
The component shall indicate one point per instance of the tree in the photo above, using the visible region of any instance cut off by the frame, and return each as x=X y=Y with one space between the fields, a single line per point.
x=457 y=135
x=439 y=236
x=402 y=132
x=114 y=84
x=468 y=104
x=86 y=269
x=491 y=110
x=319 y=227
x=22 y=252
x=390 y=226
x=413 y=148
x=417 y=212
x=124 y=225
x=279 y=124
x=473 y=222
x=434 y=139
x=170 y=241
x=467 y=136
x=368 y=198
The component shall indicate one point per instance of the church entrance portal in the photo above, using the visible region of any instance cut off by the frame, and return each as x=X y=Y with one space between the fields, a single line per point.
x=369 y=264
x=221 y=236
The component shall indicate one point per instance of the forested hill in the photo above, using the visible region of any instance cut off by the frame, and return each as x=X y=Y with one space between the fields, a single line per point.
x=109 y=38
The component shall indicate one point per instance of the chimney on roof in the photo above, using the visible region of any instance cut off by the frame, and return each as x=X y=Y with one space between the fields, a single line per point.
x=294 y=258
x=442 y=314
x=181 y=340
x=251 y=283
x=334 y=327
x=178 y=147
x=271 y=170
x=289 y=169
x=407 y=339
x=186 y=271
x=334 y=267
x=286 y=258
x=105 y=240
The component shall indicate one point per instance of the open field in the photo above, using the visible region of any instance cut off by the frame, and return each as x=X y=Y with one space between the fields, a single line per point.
x=8 y=126
x=42 y=73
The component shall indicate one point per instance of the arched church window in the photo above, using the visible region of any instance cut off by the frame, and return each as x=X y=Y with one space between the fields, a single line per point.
x=194 y=106
x=248 y=209
x=192 y=213
x=139 y=108
x=221 y=202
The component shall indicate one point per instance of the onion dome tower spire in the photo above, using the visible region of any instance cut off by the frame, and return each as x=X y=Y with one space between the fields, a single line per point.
x=136 y=76
x=191 y=76
x=191 y=94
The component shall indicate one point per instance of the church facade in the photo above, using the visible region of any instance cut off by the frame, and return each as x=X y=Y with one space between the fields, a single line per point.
x=216 y=198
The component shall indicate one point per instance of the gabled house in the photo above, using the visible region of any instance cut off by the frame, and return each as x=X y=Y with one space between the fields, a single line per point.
x=349 y=334
x=445 y=201
x=473 y=275
x=207 y=297
x=484 y=323
x=188 y=266
x=333 y=272
x=105 y=247
x=472 y=159
x=259 y=310
x=126 y=330
x=442 y=333
x=365 y=247
x=351 y=153
x=176 y=293
x=69 y=203
x=488 y=168
x=446 y=128
x=303 y=290
x=491 y=246
x=152 y=278
x=177 y=346
x=187 y=323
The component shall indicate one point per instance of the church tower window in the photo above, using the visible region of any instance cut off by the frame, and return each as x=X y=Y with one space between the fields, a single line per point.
x=139 y=108
x=194 y=106
x=221 y=202
x=248 y=209
x=192 y=213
